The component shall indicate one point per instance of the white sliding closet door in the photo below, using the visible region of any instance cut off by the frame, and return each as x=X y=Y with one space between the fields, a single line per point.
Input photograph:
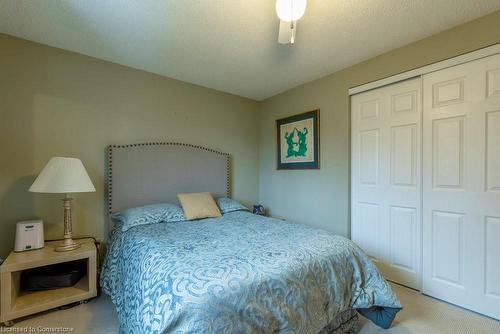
x=386 y=182
x=461 y=185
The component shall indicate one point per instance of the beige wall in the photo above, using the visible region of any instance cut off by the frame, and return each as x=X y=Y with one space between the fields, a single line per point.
x=54 y=102
x=321 y=198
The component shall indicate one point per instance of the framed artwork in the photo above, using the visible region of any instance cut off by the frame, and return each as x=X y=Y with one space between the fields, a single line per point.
x=298 y=141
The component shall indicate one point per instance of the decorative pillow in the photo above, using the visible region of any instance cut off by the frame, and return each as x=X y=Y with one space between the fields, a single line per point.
x=149 y=214
x=227 y=205
x=198 y=205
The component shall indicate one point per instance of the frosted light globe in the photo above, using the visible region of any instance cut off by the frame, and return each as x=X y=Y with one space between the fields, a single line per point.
x=290 y=10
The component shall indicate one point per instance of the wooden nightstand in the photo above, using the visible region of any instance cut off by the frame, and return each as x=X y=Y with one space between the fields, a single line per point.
x=16 y=303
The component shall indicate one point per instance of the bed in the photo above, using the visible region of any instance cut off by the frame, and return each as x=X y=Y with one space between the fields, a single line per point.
x=239 y=273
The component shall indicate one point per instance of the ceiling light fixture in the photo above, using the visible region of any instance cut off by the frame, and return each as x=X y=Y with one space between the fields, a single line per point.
x=289 y=12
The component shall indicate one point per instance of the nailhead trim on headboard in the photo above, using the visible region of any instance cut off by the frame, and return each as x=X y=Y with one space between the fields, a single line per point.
x=113 y=147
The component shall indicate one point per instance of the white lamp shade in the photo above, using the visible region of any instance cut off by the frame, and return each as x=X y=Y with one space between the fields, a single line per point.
x=63 y=175
x=290 y=10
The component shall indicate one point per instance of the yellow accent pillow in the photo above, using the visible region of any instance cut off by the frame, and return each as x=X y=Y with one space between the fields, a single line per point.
x=199 y=205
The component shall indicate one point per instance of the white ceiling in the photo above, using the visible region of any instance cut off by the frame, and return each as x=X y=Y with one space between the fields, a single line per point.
x=231 y=45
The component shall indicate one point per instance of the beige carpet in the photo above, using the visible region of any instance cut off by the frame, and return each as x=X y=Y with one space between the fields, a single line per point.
x=420 y=315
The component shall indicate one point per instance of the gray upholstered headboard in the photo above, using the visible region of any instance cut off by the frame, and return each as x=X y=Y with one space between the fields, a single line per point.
x=141 y=174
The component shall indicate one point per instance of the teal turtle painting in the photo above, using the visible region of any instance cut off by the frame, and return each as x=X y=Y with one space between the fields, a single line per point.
x=298 y=141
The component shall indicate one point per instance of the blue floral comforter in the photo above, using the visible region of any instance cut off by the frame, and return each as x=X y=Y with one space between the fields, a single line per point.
x=239 y=273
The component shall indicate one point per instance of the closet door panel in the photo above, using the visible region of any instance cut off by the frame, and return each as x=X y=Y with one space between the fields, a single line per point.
x=403 y=227
x=368 y=156
x=386 y=192
x=404 y=155
x=493 y=151
x=447 y=247
x=461 y=177
x=448 y=153
x=492 y=249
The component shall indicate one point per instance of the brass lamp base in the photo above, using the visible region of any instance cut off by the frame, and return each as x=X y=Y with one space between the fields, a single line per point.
x=67 y=245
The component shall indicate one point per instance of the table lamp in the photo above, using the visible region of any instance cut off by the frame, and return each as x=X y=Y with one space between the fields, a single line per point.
x=64 y=176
